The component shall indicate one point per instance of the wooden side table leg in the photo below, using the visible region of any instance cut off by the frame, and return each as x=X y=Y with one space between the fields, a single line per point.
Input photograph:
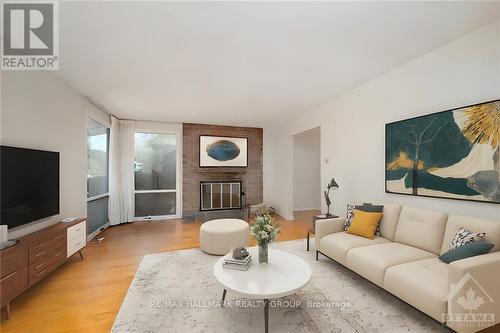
x=308 y=241
x=81 y=254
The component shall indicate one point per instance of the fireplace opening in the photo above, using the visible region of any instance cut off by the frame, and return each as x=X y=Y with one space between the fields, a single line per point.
x=220 y=195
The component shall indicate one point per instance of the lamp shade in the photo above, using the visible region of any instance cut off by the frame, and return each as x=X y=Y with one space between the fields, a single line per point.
x=333 y=184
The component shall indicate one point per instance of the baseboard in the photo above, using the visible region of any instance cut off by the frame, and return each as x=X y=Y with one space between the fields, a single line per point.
x=97 y=232
x=305 y=209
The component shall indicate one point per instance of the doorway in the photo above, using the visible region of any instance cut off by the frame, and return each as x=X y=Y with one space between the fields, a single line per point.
x=307 y=174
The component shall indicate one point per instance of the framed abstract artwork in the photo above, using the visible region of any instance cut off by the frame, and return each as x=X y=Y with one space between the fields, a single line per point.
x=222 y=151
x=452 y=154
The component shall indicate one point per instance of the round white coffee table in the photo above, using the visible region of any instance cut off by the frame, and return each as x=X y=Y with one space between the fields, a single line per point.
x=284 y=275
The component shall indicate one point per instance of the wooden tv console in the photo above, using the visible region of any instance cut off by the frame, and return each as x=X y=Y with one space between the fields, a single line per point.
x=36 y=255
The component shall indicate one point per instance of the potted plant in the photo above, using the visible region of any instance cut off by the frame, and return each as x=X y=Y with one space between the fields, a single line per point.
x=264 y=231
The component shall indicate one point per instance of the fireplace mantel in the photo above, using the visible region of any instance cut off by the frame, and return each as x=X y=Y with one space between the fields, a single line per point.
x=221 y=171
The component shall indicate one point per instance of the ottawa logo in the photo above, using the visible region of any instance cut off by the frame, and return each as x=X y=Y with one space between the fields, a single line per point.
x=469 y=305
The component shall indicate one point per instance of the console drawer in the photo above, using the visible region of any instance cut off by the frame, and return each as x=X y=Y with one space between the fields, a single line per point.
x=40 y=251
x=77 y=231
x=76 y=244
x=13 y=258
x=13 y=284
x=77 y=238
x=36 y=274
x=55 y=255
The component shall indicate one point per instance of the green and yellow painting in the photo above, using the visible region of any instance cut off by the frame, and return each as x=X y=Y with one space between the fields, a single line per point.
x=452 y=154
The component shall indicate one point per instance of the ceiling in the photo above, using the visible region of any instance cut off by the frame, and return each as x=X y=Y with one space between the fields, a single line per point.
x=245 y=63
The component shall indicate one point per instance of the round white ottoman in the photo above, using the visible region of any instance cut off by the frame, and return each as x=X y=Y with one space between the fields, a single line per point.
x=220 y=236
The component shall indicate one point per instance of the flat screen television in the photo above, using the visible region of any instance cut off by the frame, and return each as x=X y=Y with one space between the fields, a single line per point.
x=29 y=184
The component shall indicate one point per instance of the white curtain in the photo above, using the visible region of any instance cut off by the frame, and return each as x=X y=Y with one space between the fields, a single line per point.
x=114 y=173
x=127 y=138
x=121 y=182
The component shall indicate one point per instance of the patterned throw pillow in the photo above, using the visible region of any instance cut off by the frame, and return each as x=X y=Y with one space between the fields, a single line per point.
x=464 y=236
x=349 y=216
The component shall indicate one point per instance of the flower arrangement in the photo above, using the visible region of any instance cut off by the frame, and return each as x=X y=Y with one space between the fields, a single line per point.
x=264 y=231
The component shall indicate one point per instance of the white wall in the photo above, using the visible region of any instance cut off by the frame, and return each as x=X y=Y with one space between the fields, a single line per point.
x=461 y=73
x=307 y=170
x=42 y=112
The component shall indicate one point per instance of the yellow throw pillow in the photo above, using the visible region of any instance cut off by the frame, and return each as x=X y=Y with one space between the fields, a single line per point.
x=364 y=224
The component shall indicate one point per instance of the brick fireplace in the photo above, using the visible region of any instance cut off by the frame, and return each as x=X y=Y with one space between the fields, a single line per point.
x=250 y=178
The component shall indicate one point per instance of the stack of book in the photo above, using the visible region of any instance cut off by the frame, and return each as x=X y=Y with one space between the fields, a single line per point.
x=239 y=264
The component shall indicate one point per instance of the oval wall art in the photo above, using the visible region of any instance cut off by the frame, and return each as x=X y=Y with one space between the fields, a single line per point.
x=221 y=151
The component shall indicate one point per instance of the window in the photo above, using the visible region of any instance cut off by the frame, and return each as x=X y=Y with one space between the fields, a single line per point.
x=97 y=175
x=97 y=159
x=155 y=173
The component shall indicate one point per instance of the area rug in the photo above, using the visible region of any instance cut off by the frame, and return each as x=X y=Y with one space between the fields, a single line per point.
x=176 y=292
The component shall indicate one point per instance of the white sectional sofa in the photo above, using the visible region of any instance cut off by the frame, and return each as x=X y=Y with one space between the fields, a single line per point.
x=404 y=260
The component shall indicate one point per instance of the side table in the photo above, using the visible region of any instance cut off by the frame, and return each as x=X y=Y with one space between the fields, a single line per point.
x=315 y=218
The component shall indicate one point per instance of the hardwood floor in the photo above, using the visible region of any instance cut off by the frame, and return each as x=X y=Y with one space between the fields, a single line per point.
x=85 y=296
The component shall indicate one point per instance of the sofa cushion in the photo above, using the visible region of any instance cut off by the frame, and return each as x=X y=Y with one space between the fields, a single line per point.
x=421 y=228
x=372 y=261
x=336 y=245
x=423 y=284
x=474 y=224
x=389 y=221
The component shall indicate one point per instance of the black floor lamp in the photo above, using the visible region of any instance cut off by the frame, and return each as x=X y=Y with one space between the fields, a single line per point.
x=332 y=184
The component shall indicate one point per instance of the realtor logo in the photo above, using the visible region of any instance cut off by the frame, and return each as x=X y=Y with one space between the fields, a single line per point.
x=30 y=36
x=467 y=301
